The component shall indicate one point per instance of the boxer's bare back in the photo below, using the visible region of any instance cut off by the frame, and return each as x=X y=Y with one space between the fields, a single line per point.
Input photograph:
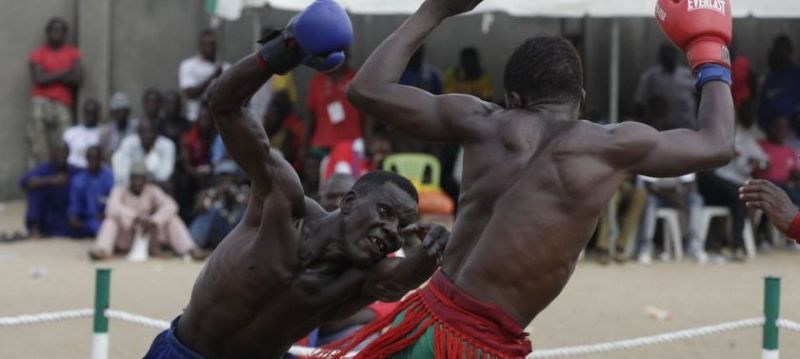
x=536 y=179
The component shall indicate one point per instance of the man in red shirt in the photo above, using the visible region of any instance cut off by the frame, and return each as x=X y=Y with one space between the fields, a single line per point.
x=56 y=72
x=784 y=166
x=332 y=118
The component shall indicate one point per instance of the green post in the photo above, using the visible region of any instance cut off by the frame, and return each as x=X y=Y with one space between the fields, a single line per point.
x=772 y=305
x=102 y=291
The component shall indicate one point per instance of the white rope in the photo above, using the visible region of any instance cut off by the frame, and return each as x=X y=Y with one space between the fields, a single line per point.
x=29 y=319
x=789 y=325
x=136 y=319
x=646 y=341
x=539 y=354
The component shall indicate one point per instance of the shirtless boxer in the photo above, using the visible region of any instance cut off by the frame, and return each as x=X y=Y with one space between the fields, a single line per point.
x=291 y=266
x=536 y=179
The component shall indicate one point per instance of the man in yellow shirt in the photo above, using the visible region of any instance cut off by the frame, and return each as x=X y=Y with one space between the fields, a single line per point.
x=469 y=78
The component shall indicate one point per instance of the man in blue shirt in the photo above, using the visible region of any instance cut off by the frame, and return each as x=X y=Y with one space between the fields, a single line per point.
x=88 y=193
x=47 y=188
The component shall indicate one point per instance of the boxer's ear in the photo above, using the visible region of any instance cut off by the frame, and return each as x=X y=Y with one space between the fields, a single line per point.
x=583 y=101
x=348 y=202
x=514 y=100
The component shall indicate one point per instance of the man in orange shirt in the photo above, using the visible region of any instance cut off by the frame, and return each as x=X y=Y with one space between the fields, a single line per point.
x=56 y=72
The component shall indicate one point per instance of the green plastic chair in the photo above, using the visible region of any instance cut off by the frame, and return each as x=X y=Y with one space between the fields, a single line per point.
x=413 y=167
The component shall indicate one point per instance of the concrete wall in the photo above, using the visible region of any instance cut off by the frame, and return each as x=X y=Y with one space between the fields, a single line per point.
x=130 y=45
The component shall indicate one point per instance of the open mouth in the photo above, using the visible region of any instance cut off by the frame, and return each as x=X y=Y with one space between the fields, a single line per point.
x=377 y=245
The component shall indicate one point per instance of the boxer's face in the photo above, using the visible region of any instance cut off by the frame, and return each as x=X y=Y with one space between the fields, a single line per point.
x=373 y=222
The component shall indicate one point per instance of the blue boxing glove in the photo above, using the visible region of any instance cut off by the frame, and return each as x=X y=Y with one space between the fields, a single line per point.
x=317 y=38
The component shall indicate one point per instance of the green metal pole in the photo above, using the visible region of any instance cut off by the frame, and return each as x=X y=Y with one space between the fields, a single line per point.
x=102 y=291
x=772 y=306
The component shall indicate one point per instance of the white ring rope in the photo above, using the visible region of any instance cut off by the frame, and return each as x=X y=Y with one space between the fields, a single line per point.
x=646 y=341
x=789 y=325
x=46 y=317
x=539 y=354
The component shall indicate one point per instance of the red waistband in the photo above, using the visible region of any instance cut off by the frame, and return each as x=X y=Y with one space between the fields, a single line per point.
x=486 y=323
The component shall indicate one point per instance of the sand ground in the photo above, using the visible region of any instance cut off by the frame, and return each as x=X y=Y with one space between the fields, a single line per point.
x=599 y=304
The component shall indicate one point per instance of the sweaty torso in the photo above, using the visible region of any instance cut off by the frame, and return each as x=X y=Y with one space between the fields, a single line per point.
x=531 y=198
x=253 y=301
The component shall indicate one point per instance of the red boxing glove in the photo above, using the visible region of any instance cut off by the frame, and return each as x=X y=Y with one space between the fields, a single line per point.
x=701 y=28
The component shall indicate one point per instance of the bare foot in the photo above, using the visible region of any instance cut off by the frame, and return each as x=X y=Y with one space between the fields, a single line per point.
x=198 y=254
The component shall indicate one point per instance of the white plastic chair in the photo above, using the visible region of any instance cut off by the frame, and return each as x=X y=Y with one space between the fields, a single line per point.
x=712 y=212
x=672 y=231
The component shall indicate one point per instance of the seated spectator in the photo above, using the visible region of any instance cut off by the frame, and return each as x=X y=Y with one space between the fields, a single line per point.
x=152 y=102
x=349 y=157
x=174 y=124
x=680 y=194
x=157 y=152
x=721 y=186
x=784 y=166
x=79 y=138
x=143 y=207
x=780 y=92
x=121 y=126
x=285 y=128
x=47 y=189
x=219 y=209
x=334 y=189
x=195 y=166
x=630 y=201
x=88 y=194
x=469 y=77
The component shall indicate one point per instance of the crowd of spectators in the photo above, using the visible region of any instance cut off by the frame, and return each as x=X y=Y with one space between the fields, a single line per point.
x=112 y=177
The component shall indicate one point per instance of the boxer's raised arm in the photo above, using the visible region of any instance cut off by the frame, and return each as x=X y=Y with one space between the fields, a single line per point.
x=244 y=136
x=375 y=91
x=677 y=152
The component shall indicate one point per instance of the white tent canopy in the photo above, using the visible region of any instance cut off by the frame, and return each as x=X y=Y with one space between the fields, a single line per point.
x=556 y=8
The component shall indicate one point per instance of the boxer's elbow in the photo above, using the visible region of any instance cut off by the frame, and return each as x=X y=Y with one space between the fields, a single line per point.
x=720 y=156
x=361 y=94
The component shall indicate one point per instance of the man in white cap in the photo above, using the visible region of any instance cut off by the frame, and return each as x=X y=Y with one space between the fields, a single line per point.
x=121 y=126
x=143 y=207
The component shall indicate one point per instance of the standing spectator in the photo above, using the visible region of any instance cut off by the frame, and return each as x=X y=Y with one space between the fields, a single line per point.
x=421 y=74
x=141 y=206
x=174 y=123
x=197 y=72
x=721 y=186
x=56 y=72
x=152 y=103
x=745 y=80
x=219 y=208
x=784 y=166
x=121 y=125
x=332 y=118
x=47 y=188
x=673 y=82
x=79 y=138
x=157 y=153
x=88 y=193
x=285 y=128
x=469 y=77
x=780 y=93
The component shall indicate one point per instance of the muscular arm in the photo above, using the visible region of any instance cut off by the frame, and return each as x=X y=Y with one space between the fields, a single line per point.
x=375 y=91
x=674 y=153
x=244 y=136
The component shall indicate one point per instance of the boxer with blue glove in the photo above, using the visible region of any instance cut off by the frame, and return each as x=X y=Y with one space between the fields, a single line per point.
x=291 y=266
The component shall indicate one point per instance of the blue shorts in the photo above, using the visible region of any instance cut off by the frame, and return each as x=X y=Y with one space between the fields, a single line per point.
x=167 y=346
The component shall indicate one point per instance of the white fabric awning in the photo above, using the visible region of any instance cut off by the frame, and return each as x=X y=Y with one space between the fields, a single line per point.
x=557 y=8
